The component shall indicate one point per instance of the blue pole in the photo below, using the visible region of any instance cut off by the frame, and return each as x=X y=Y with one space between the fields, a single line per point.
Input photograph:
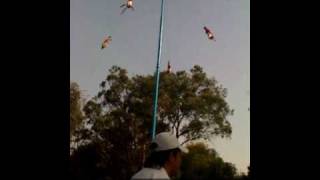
x=156 y=86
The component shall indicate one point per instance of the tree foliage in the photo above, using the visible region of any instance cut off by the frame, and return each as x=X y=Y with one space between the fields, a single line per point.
x=76 y=115
x=203 y=163
x=190 y=104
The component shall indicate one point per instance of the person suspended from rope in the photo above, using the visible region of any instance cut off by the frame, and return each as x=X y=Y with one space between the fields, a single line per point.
x=127 y=5
x=209 y=33
x=106 y=42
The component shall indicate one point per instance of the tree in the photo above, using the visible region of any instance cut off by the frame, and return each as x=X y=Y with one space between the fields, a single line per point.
x=196 y=163
x=190 y=104
x=193 y=105
x=203 y=163
x=84 y=163
x=76 y=115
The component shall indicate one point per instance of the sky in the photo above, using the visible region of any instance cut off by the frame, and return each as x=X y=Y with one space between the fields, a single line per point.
x=135 y=42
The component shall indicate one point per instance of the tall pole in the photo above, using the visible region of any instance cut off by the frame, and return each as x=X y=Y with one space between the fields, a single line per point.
x=156 y=86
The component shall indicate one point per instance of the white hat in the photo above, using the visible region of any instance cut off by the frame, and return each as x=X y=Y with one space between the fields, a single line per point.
x=166 y=141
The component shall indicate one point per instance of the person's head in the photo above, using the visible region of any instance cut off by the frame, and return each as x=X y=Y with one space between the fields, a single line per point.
x=165 y=152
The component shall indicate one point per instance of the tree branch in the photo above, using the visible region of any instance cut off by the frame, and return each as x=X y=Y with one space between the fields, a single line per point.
x=190 y=139
x=184 y=132
x=177 y=129
x=178 y=126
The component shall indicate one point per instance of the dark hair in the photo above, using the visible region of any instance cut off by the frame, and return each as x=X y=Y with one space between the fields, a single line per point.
x=159 y=158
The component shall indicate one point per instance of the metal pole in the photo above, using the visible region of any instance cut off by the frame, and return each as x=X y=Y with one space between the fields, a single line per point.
x=156 y=86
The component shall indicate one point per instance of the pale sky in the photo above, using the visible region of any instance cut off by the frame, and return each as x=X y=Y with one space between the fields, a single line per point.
x=134 y=47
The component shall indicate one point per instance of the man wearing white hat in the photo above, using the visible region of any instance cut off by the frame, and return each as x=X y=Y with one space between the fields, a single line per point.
x=164 y=160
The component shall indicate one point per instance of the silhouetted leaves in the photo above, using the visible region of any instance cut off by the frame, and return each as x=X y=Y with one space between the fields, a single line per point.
x=118 y=121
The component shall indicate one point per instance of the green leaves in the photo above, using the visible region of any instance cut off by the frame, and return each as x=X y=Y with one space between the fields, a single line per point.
x=190 y=104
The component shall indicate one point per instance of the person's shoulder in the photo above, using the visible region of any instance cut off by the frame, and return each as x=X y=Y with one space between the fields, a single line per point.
x=141 y=174
x=150 y=173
